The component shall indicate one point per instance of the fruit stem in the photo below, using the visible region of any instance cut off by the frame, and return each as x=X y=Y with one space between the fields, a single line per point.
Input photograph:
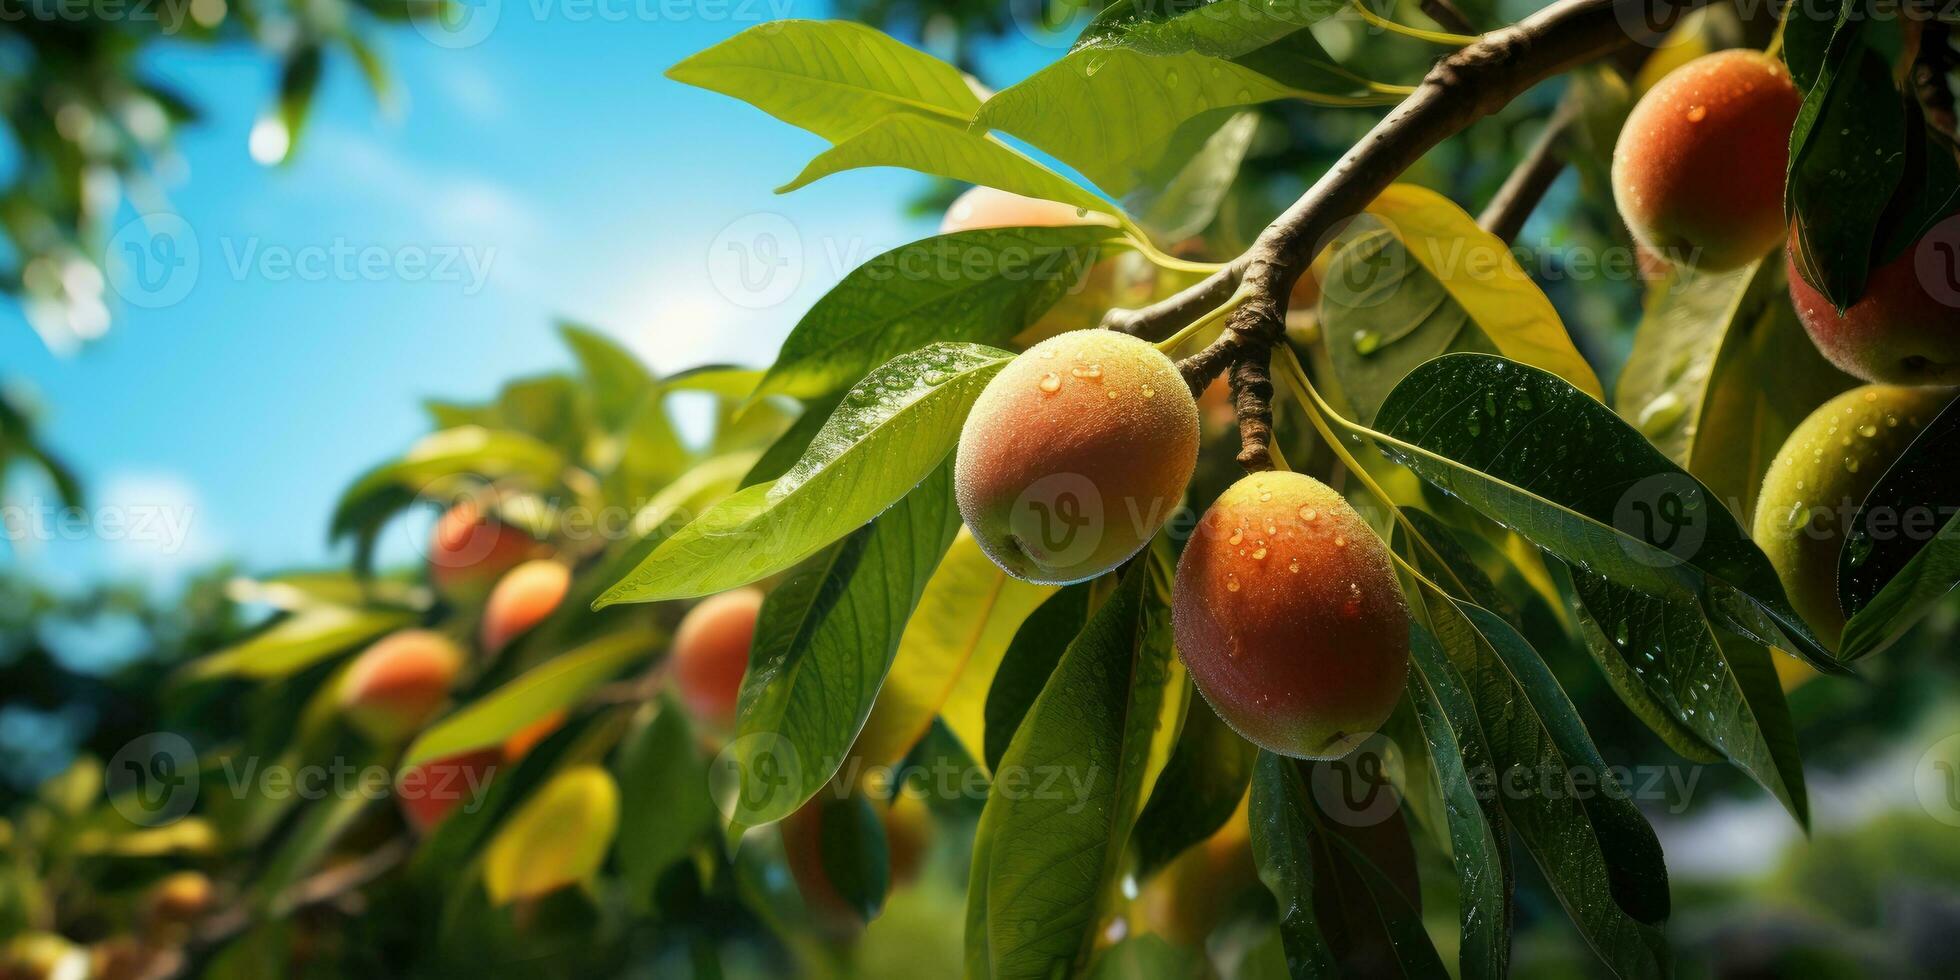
x=1433 y=37
x=1319 y=412
x=1219 y=312
x=1140 y=240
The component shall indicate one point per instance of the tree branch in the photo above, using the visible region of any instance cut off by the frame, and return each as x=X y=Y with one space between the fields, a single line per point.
x=1514 y=202
x=1465 y=86
x=1448 y=17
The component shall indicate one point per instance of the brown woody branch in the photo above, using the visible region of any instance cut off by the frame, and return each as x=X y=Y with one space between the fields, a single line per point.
x=1460 y=89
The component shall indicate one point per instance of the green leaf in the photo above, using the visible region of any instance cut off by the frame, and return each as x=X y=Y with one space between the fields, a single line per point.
x=555 y=685
x=1926 y=580
x=974 y=286
x=794 y=441
x=832 y=78
x=1199 y=789
x=1719 y=374
x=428 y=467
x=856 y=857
x=1478 y=831
x=1539 y=456
x=1847 y=155
x=1111 y=105
x=823 y=645
x=1901 y=514
x=728 y=381
x=1675 y=671
x=297 y=642
x=1030 y=658
x=1899 y=558
x=616 y=381
x=664 y=805
x=945 y=151
x=1595 y=849
x=1416 y=277
x=1183 y=202
x=889 y=433
x=1034 y=903
x=1346 y=886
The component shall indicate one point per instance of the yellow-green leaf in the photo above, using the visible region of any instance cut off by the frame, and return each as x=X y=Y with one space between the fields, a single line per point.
x=297 y=642
x=946 y=151
x=558 y=837
x=948 y=654
x=555 y=685
x=829 y=77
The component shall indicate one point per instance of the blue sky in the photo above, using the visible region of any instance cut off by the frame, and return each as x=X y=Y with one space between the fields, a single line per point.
x=553 y=154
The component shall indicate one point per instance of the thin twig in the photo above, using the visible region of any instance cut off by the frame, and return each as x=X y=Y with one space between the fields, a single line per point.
x=1514 y=202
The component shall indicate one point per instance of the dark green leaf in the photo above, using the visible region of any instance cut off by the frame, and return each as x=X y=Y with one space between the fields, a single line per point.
x=856 y=858
x=1030 y=658
x=1478 y=831
x=1047 y=858
x=1704 y=696
x=823 y=644
x=1539 y=456
x=1592 y=844
x=1199 y=789
x=664 y=805
x=1847 y=155
x=1925 y=581
x=1904 y=511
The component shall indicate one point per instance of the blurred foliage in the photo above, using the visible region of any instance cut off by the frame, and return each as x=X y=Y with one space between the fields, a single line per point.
x=91 y=124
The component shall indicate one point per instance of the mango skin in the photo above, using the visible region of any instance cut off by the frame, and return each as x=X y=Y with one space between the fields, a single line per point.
x=980 y=207
x=523 y=598
x=395 y=686
x=711 y=653
x=470 y=549
x=1698 y=170
x=1075 y=455
x=1188 y=897
x=1288 y=615
x=1818 y=479
x=1902 y=330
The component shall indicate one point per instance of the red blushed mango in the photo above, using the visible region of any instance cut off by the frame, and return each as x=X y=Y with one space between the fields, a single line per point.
x=395 y=686
x=1075 y=454
x=1905 y=329
x=470 y=549
x=430 y=792
x=1289 y=616
x=1698 y=169
x=711 y=652
x=523 y=598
